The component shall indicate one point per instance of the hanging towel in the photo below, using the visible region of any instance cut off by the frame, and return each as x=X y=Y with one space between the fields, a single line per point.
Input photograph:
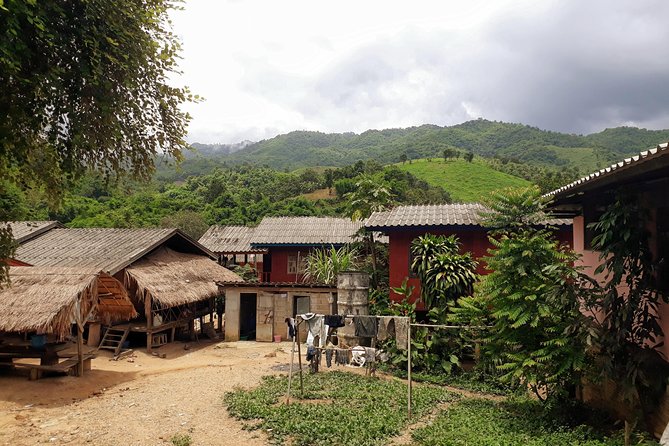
x=315 y=327
x=335 y=320
x=370 y=355
x=386 y=328
x=401 y=327
x=365 y=326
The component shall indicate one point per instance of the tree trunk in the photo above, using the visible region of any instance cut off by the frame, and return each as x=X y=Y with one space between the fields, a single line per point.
x=372 y=252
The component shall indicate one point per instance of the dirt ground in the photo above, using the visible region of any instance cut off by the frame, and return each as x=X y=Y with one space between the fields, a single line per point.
x=143 y=400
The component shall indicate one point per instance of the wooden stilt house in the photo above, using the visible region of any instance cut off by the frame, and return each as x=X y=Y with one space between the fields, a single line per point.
x=169 y=277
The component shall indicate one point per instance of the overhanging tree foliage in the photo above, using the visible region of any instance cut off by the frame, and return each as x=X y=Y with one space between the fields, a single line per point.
x=85 y=87
x=534 y=294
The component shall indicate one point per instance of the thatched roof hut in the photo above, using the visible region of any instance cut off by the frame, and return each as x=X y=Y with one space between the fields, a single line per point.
x=50 y=300
x=174 y=278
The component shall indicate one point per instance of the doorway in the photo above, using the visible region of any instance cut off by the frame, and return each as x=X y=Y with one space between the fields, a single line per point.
x=247 y=316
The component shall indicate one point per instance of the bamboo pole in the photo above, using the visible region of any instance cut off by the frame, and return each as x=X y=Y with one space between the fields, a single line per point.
x=80 y=350
x=290 y=371
x=299 y=355
x=409 y=369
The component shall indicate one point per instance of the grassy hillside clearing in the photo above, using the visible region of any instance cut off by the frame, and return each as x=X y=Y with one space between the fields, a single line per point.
x=466 y=182
x=320 y=194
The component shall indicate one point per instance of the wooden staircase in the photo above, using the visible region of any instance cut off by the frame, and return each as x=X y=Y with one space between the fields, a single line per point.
x=114 y=338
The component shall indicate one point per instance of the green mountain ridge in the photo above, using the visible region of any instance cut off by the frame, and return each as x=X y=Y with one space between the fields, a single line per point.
x=517 y=142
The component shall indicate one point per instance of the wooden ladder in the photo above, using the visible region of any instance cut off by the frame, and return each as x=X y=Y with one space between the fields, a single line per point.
x=114 y=339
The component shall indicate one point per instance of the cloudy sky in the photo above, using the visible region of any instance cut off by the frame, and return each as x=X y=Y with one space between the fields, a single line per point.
x=269 y=67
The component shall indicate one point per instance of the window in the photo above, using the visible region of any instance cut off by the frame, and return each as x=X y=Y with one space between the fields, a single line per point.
x=410 y=272
x=297 y=264
x=591 y=214
x=301 y=305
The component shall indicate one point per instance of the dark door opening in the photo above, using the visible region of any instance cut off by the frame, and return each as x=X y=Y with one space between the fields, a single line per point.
x=247 y=316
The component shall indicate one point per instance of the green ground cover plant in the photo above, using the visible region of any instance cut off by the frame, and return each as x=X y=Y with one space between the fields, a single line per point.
x=337 y=408
x=479 y=422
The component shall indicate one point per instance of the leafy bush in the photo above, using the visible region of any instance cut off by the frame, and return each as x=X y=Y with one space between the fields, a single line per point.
x=323 y=265
x=538 y=333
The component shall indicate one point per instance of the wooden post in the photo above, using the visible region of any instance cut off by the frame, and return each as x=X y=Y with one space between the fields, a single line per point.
x=409 y=369
x=80 y=350
x=299 y=355
x=290 y=371
x=149 y=321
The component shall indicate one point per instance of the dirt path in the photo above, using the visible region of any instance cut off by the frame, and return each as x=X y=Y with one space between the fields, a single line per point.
x=145 y=400
x=141 y=401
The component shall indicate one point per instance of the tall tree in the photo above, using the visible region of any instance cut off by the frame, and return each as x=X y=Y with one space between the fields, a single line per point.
x=534 y=293
x=369 y=196
x=85 y=87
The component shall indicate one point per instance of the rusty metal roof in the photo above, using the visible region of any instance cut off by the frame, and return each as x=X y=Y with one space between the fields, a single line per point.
x=461 y=214
x=648 y=156
x=22 y=231
x=230 y=239
x=305 y=231
x=105 y=249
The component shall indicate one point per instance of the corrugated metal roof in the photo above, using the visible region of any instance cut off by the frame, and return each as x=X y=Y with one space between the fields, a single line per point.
x=26 y=230
x=642 y=158
x=465 y=214
x=305 y=231
x=305 y=285
x=105 y=249
x=229 y=239
x=461 y=214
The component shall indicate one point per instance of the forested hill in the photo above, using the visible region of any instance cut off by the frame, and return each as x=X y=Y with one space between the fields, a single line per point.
x=487 y=138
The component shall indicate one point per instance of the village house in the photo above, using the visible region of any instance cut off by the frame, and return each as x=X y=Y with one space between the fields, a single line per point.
x=23 y=231
x=586 y=199
x=169 y=277
x=404 y=224
x=232 y=246
x=280 y=246
x=283 y=242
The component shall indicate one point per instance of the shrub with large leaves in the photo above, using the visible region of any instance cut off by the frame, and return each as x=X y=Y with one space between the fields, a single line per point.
x=534 y=294
x=445 y=273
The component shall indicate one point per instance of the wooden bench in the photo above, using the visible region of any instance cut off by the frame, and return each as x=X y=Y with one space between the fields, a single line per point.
x=68 y=366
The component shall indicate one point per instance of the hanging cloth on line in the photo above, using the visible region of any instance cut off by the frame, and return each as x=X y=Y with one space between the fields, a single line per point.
x=335 y=320
x=315 y=328
x=386 y=328
x=365 y=326
x=401 y=334
x=290 y=322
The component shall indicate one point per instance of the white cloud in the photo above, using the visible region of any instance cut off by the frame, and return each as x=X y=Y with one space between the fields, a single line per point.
x=268 y=67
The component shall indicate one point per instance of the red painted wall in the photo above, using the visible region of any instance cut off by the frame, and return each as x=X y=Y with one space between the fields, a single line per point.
x=279 y=255
x=472 y=240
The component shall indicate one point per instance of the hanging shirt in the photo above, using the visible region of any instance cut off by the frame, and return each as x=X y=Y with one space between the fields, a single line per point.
x=315 y=328
x=335 y=320
x=365 y=326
